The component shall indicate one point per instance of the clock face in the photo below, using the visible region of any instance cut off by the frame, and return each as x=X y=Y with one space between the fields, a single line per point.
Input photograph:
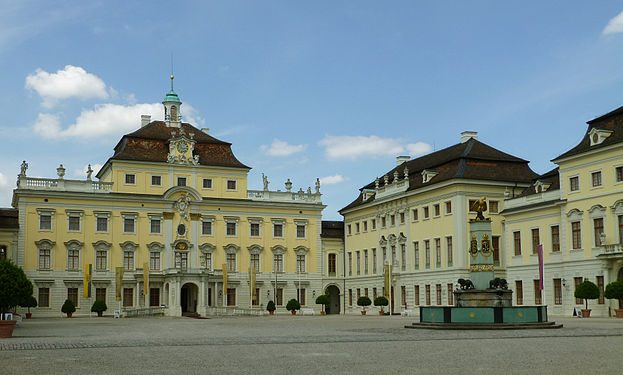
x=182 y=147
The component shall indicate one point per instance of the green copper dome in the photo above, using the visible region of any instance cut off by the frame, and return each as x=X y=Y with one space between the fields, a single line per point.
x=172 y=96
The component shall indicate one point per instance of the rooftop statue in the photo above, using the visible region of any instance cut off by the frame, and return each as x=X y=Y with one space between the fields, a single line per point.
x=479 y=206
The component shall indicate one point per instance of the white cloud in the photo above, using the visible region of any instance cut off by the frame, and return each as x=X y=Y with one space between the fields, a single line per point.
x=335 y=179
x=82 y=173
x=5 y=191
x=351 y=147
x=419 y=148
x=72 y=81
x=48 y=126
x=281 y=148
x=615 y=25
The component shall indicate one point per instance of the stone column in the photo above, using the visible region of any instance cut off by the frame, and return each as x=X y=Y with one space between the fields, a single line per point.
x=481 y=254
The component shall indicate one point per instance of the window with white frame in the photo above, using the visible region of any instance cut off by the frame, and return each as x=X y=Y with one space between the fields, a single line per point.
x=207 y=224
x=156 y=180
x=130 y=179
x=181 y=181
x=278 y=226
x=231 y=226
x=231 y=258
x=231 y=185
x=278 y=258
x=301 y=228
x=74 y=248
x=448 y=205
x=74 y=220
x=46 y=219
x=206 y=255
x=128 y=250
x=45 y=253
x=596 y=178
x=155 y=255
x=300 y=263
x=494 y=207
x=618 y=174
x=207 y=183
x=155 y=223
x=102 y=249
x=574 y=183
x=129 y=222
x=255 y=227
x=416 y=255
x=102 y=221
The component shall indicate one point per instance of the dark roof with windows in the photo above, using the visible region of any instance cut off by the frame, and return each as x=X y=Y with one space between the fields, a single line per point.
x=471 y=159
x=332 y=229
x=551 y=178
x=612 y=121
x=8 y=218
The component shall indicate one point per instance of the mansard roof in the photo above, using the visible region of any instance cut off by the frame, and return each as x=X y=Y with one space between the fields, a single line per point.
x=468 y=160
x=150 y=143
x=8 y=218
x=551 y=178
x=611 y=121
x=332 y=229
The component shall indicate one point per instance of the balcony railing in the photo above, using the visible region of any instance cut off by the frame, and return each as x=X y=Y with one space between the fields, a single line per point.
x=34 y=183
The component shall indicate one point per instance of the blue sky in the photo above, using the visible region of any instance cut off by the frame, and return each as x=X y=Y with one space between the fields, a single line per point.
x=329 y=89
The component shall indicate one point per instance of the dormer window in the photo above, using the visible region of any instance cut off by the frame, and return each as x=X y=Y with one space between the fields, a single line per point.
x=541 y=186
x=428 y=175
x=597 y=136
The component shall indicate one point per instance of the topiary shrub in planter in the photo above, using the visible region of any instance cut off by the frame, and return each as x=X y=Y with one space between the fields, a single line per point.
x=381 y=301
x=68 y=308
x=14 y=289
x=323 y=300
x=29 y=302
x=293 y=305
x=614 y=290
x=99 y=307
x=270 y=307
x=363 y=301
x=586 y=290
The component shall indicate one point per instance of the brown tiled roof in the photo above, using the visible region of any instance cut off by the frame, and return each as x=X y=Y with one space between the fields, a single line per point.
x=8 y=218
x=470 y=160
x=150 y=143
x=332 y=229
x=550 y=177
x=612 y=120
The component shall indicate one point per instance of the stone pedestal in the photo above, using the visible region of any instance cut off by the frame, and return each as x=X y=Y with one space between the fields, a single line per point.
x=481 y=254
x=483 y=298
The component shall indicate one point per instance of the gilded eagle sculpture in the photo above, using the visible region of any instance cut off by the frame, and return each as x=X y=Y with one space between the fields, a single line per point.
x=479 y=206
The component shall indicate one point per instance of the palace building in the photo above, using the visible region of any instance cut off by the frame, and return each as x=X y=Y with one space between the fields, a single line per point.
x=170 y=207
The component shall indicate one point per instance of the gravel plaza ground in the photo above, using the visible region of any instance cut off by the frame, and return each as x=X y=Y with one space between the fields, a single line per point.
x=285 y=344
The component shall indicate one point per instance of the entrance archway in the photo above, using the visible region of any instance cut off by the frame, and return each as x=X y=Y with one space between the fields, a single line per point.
x=334 y=299
x=188 y=298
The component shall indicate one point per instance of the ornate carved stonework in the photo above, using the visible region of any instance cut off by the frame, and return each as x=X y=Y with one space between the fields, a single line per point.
x=474 y=245
x=481 y=268
x=181 y=149
x=485 y=245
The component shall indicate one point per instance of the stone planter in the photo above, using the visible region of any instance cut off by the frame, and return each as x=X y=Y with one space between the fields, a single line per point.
x=618 y=313
x=381 y=312
x=363 y=312
x=6 y=328
x=28 y=315
x=293 y=312
x=100 y=314
x=69 y=315
x=324 y=313
x=586 y=313
x=271 y=312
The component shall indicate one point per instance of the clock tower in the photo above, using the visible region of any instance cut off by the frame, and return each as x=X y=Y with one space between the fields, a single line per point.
x=172 y=105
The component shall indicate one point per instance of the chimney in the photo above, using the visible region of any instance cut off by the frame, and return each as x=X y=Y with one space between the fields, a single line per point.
x=402 y=159
x=206 y=130
x=145 y=119
x=465 y=136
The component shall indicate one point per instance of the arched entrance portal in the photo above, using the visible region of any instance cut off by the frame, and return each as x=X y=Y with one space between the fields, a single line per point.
x=188 y=298
x=334 y=299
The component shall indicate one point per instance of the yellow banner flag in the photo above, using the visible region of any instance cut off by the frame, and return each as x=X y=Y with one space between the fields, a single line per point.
x=224 y=279
x=119 y=282
x=388 y=277
x=252 y=285
x=145 y=278
x=86 y=285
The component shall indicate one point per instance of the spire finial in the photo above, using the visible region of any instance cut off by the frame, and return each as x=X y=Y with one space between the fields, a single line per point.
x=172 y=82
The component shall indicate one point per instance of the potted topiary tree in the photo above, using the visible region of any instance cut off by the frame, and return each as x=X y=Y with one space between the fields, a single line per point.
x=323 y=300
x=99 y=307
x=381 y=301
x=293 y=305
x=614 y=290
x=363 y=301
x=14 y=288
x=68 y=308
x=29 y=302
x=586 y=290
x=270 y=307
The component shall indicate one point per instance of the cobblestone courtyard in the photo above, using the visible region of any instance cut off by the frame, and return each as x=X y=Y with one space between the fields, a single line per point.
x=304 y=345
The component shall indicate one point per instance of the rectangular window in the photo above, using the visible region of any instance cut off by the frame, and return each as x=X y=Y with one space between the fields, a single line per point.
x=300 y=231
x=206 y=228
x=44 y=297
x=576 y=235
x=426 y=213
x=365 y=225
x=206 y=261
x=154 y=226
x=356 y=227
x=45 y=222
x=495 y=244
x=73 y=223
x=255 y=300
x=231 y=229
x=130 y=179
x=596 y=178
x=101 y=260
x=438 y=252
x=598 y=228
x=414 y=212
x=365 y=262
x=128 y=260
x=231 y=262
x=427 y=252
x=350 y=297
x=255 y=230
x=45 y=260
x=449 y=251
x=231 y=296
x=436 y=210
x=374 y=293
x=349 y=230
x=416 y=255
x=207 y=183
x=450 y=294
x=365 y=292
x=577 y=281
x=448 y=207
x=72 y=295
x=620 y=228
x=403 y=294
x=278 y=262
x=600 y=286
x=102 y=224
x=402 y=218
x=181 y=181
x=537 y=292
x=439 y=297
x=154 y=297
x=279 y=298
x=73 y=260
x=300 y=296
x=416 y=295
x=494 y=207
x=154 y=260
x=555 y=238
x=373 y=224
x=394 y=256
x=128 y=225
x=535 y=241
x=427 y=291
x=557 y=292
x=517 y=242
x=374 y=261
x=392 y=220
x=254 y=262
x=619 y=174
x=332 y=264
x=156 y=180
x=100 y=294
x=519 y=292
x=574 y=183
x=231 y=184
x=383 y=222
x=403 y=257
x=300 y=264
x=350 y=264
x=278 y=230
